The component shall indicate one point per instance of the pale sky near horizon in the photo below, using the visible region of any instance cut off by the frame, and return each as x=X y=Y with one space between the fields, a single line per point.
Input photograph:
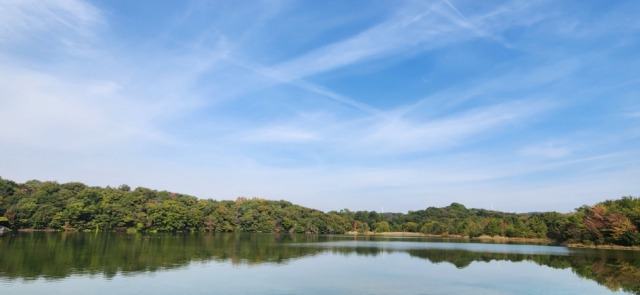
x=513 y=105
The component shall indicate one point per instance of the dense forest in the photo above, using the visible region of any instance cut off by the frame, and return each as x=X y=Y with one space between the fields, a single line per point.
x=77 y=207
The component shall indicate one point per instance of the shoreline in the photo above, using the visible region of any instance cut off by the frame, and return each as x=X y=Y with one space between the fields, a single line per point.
x=33 y=230
x=500 y=239
x=483 y=238
x=602 y=247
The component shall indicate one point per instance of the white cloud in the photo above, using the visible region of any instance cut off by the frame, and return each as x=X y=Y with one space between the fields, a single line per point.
x=66 y=113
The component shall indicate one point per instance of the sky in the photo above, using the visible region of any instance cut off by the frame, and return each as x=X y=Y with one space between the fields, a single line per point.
x=391 y=106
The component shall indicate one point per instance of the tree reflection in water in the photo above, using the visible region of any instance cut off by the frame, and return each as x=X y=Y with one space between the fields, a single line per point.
x=52 y=256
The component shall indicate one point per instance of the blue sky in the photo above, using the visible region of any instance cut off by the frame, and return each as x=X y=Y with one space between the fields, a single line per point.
x=513 y=105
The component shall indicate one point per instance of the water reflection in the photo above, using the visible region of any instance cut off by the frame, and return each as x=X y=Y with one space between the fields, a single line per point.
x=617 y=270
x=51 y=255
x=56 y=256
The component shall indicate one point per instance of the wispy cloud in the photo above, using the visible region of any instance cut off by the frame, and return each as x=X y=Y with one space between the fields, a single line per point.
x=632 y=115
x=67 y=22
x=276 y=77
x=67 y=113
x=460 y=19
x=414 y=26
x=286 y=134
x=76 y=101
x=402 y=135
x=547 y=150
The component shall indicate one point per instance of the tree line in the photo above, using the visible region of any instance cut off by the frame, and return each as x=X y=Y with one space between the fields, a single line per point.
x=74 y=206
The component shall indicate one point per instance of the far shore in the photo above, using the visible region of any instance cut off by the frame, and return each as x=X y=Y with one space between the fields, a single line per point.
x=483 y=238
x=603 y=247
x=31 y=230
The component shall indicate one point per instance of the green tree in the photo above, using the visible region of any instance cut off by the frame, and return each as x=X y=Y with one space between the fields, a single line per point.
x=410 y=227
x=494 y=227
x=434 y=228
x=381 y=226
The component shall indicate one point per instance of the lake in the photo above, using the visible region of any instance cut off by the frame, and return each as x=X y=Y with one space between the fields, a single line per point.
x=65 y=263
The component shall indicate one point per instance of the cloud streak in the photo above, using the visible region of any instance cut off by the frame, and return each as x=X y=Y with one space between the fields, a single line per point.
x=68 y=23
x=403 y=135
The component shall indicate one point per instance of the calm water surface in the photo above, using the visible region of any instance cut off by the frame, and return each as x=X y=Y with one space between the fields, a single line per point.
x=57 y=263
